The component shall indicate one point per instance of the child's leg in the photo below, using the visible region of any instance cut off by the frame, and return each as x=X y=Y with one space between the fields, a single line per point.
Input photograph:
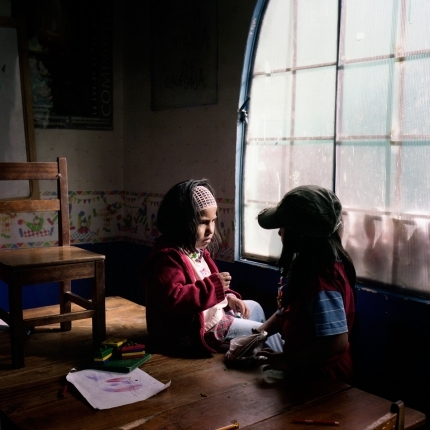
x=256 y=311
x=241 y=327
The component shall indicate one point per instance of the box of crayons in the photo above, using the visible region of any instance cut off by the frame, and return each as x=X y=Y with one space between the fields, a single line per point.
x=103 y=354
x=119 y=355
x=114 y=342
x=132 y=350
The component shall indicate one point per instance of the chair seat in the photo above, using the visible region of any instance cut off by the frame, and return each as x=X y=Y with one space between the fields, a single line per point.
x=58 y=265
x=33 y=257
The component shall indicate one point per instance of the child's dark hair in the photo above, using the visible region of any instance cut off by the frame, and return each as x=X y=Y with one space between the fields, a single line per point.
x=317 y=254
x=178 y=216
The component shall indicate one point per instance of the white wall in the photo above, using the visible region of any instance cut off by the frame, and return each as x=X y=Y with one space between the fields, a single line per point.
x=116 y=177
x=162 y=148
x=150 y=151
x=95 y=158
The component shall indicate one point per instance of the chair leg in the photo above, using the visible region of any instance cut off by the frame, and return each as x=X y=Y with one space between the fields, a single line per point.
x=65 y=305
x=16 y=326
x=399 y=408
x=98 y=299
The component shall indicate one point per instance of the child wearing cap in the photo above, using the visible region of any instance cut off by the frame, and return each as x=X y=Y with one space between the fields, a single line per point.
x=317 y=288
x=190 y=308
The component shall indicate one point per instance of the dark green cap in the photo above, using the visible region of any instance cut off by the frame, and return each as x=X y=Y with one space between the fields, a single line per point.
x=313 y=210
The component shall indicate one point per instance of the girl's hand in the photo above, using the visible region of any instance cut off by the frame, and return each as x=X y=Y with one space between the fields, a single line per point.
x=238 y=305
x=225 y=279
x=274 y=360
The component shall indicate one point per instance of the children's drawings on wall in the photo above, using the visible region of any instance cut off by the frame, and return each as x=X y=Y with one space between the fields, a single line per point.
x=82 y=231
x=37 y=227
x=98 y=216
x=226 y=251
x=107 y=215
x=5 y=225
x=140 y=217
x=127 y=223
x=93 y=215
x=17 y=230
x=149 y=222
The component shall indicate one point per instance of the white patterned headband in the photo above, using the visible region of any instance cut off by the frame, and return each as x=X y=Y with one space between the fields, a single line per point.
x=203 y=198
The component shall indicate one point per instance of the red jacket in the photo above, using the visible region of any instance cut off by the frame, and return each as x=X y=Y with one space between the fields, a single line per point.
x=298 y=324
x=175 y=301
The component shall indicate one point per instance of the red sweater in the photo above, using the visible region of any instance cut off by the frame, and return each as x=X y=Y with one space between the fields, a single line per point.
x=175 y=302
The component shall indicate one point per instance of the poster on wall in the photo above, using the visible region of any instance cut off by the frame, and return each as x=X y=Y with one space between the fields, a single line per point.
x=70 y=59
x=184 y=53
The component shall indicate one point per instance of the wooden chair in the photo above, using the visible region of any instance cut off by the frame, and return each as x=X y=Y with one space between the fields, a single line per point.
x=393 y=420
x=54 y=264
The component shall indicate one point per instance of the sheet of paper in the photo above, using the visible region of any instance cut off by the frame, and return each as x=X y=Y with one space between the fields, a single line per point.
x=105 y=390
x=3 y=326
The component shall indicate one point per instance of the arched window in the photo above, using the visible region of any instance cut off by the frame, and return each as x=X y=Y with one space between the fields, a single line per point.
x=337 y=93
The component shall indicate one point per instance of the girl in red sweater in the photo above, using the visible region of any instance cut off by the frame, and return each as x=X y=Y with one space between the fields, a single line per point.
x=190 y=308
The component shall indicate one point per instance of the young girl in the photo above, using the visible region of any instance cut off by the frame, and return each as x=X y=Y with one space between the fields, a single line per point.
x=316 y=294
x=190 y=308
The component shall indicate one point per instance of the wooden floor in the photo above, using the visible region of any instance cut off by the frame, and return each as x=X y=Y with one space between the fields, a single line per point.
x=204 y=394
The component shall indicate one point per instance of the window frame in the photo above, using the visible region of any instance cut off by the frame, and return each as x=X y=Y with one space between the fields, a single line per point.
x=338 y=138
x=253 y=34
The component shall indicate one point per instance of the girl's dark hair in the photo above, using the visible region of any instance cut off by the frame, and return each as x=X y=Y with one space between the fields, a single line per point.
x=315 y=254
x=178 y=216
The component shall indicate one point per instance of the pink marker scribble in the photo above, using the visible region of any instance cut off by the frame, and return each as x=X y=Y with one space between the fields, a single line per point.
x=120 y=385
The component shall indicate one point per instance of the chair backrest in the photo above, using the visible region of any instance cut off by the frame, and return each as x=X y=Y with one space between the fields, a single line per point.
x=393 y=420
x=56 y=170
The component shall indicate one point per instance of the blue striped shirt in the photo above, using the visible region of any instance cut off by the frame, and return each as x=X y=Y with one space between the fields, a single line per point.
x=328 y=313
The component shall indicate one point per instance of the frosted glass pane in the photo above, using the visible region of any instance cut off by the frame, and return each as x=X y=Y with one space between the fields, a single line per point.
x=367 y=98
x=413 y=268
x=316 y=31
x=417 y=19
x=270 y=107
x=358 y=234
x=369 y=28
x=316 y=38
x=274 y=49
x=378 y=176
x=265 y=171
x=311 y=163
x=416 y=97
x=369 y=239
x=257 y=240
x=315 y=98
x=415 y=176
x=271 y=170
x=382 y=171
x=361 y=179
